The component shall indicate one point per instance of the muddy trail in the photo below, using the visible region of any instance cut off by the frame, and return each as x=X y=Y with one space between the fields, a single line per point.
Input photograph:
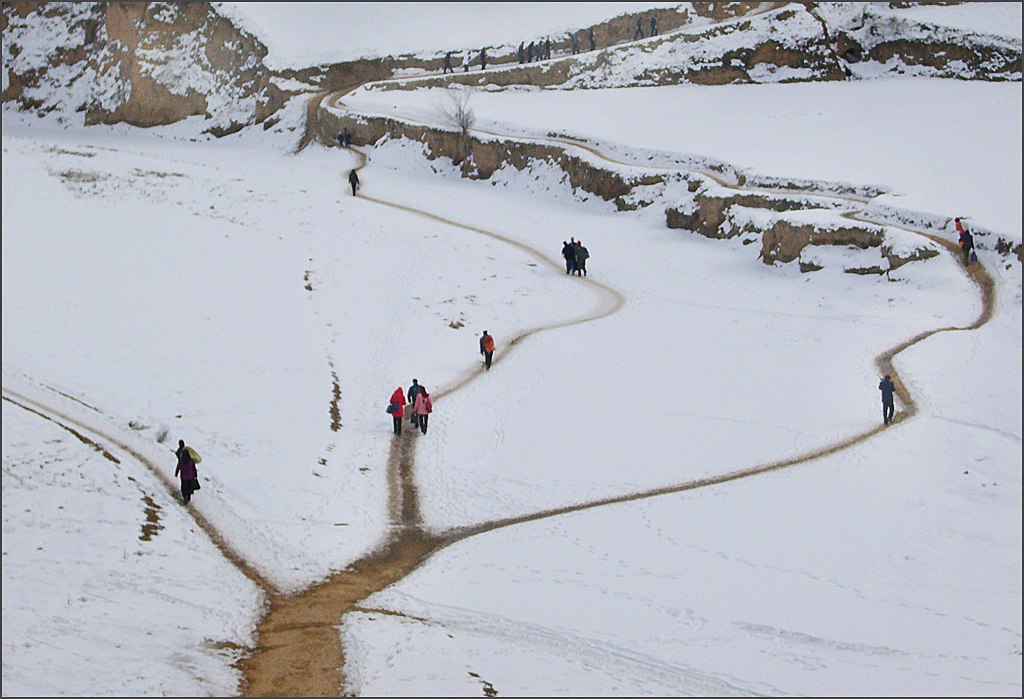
x=300 y=650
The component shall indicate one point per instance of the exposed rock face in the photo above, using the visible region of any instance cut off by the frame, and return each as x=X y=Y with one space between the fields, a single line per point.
x=144 y=64
x=785 y=240
x=710 y=213
x=149 y=64
x=778 y=42
x=481 y=158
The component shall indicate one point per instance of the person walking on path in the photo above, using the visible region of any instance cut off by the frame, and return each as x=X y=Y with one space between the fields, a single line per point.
x=341 y=140
x=569 y=253
x=529 y=53
x=186 y=469
x=447 y=64
x=888 y=388
x=522 y=53
x=574 y=37
x=348 y=137
x=581 y=259
x=422 y=408
x=396 y=408
x=414 y=391
x=487 y=348
x=590 y=38
x=654 y=25
x=353 y=179
x=639 y=33
x=547 y=49
x=483 y=59
x=966 y=241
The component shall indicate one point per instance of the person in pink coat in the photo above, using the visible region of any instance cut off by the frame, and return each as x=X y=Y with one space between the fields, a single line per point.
x=422 y=408
x=397 y=400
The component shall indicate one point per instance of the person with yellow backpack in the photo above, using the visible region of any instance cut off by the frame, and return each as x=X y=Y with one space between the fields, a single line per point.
x=186 y=468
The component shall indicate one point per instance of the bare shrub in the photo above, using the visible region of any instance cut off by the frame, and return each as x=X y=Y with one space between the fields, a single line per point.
x=456 y=111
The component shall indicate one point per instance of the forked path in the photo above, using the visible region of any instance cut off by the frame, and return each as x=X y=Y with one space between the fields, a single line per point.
x=300 y=650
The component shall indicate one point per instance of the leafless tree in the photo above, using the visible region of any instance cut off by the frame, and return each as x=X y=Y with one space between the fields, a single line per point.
x=456 y=112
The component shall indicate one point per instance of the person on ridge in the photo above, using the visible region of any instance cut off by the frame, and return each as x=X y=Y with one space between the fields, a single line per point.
x=396 y=409
x=422 y=408
x=966 y=241
x=483 y=59
x=186 y=468
x=353 y=179
x=487 y=348
x=448 y=63
x=639 y=33
x=654 y=25
x=591 y=39
x=414 y=391
x=888 y=388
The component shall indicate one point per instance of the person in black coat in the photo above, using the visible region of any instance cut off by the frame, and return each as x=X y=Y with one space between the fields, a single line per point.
x=888 y=388
x=414 y=391
x=590 y=38
x=639 y=33
x=569 y=253
x=353 y=179
x=448 y=63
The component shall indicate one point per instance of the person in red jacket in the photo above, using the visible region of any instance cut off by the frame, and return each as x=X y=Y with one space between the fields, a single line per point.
x=398 y=401
x=966 y=241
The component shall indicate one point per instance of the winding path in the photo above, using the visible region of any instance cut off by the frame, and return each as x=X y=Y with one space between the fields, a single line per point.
x=299 y=650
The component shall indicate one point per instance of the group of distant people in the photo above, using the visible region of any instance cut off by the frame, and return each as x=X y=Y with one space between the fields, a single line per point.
x=576 y=255
x=447 y=66
x=540 y=50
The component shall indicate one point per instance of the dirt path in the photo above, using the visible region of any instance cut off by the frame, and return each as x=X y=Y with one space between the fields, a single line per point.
x=300 y=650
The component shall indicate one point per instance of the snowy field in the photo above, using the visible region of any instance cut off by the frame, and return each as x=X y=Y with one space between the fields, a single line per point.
x=228 y=293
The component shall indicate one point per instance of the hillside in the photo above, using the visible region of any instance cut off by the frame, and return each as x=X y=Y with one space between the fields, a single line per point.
x=674 y=480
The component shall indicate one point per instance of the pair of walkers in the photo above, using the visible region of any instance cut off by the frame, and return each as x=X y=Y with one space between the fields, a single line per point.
x=576 y=256
x=421 y=405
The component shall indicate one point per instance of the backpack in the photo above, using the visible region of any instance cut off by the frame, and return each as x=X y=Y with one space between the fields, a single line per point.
x=196 y=459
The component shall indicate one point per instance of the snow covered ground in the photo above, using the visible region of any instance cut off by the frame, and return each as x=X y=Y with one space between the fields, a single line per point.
x=224 y=292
